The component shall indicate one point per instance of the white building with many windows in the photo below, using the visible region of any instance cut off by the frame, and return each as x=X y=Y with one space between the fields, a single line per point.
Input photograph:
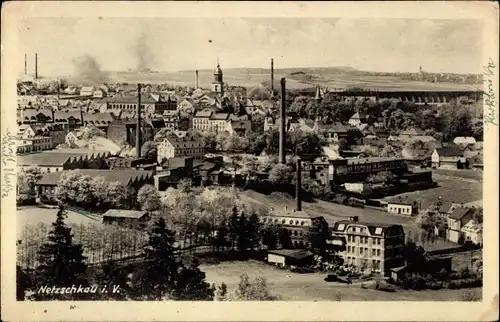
x=371 y=246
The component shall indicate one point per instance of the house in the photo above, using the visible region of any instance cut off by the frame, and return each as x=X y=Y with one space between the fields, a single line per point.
x=99 y=93
x=174 y=146
x=201 y=121
x=446 y=208
x=34 y=144
x=296 y=223
x=464 y=140
x=473 y=231
x=87 y=91
x=402 y=206
x=357 y=119
x=288 y=257
x=456 y=221
x=186 y=105
x=128 y=218
x=371 y=246
x=449 y=157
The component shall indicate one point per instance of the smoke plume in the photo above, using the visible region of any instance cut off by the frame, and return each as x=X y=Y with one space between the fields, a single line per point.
x=144 y=54
x=88 y=71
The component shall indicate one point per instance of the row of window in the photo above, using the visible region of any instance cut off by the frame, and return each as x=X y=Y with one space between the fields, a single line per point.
x=364 y=240
x=376 y=264
x=284 y=221
x=363 y=251
x=403 y=210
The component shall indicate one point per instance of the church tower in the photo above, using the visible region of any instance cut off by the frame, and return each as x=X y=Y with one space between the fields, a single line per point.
x=218 y=83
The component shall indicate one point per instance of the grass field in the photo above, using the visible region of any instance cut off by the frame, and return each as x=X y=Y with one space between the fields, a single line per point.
x=33 y=215
x=454 y=189
x=311 y=287
x=250 y=77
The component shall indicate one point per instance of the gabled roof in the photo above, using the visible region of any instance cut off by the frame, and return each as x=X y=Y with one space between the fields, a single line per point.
x=120 y=213
x=374 y=228
x=401 y=201
x=204 y=114
x=445 y=207
x=292 y=253
x=219 y=116
x=460 y=212
x=449 y=151
x=358 y=116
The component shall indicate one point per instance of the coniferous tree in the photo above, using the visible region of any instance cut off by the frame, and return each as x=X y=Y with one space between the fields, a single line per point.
x=318 y=236
x=234 y=227
x=243 y=240
x=284 y=238
x=156 y=279
x=253 y=228
x=191 y=285
x=23 y=283
x=116 y=281
x=269 y=235
x=61 y=262
x=222 y=234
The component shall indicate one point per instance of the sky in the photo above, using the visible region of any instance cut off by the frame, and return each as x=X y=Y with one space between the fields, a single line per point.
x=172 y=44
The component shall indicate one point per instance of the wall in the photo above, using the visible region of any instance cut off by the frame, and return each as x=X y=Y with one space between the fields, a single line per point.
x=276 y=259
x=399 y=209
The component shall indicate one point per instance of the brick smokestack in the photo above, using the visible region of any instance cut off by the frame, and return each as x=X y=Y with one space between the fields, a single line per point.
x=282 y=123
x=25 y=64
x=196 y=79
x=298 y=185
x=138 y=127
x=272 y=76
x=36 y=65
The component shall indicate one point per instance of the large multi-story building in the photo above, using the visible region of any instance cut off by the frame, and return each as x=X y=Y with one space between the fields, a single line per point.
x=218 y=122
x=173 y=146
x=374 y=246
x=297 y=223
x=358 y=169
x=150 y=104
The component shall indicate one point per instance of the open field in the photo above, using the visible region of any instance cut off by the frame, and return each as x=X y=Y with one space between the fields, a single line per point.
x=34 y=215
x=332 y=77
x=312 y=287
x=453 y=189
x=465 y=174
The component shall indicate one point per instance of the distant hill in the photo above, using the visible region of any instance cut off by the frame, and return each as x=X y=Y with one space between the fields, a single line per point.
x=297 y=78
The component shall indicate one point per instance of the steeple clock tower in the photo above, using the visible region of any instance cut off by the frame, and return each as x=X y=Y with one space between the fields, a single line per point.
x=218 y=83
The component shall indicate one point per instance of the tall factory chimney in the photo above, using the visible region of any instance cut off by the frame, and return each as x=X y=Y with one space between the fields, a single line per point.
x=298 y=185
x=282 y=122
x=138 y=127
x=196 y=79
x=25 y=64
x=36 y=65
x=272 y=77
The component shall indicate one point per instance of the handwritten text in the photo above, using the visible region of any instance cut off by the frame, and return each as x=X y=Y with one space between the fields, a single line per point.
x=489 y=94
x=8 y=156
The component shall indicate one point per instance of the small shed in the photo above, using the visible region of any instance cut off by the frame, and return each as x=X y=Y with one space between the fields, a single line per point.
x=397 y=273
x=284 y=257
x=126 y=217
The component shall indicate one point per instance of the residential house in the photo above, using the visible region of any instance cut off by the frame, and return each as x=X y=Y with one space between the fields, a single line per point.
x=464 y=140
x=472 y=231
x=201 y=121
x=357 y=119
x=128 y=218
x=456 y=221
x=371 y=246
x=174 y=146
x=99 y=93
x=186 y=105
x=87 y=91
x=446 y=208
x=34 y=144
x=402 y=206
x=448 y=157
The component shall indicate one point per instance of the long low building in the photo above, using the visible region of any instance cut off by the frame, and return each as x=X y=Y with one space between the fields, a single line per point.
x=358 y=169
x=54 y=161
x=132 y=178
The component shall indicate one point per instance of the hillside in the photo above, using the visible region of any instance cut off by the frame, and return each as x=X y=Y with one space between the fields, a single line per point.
x=298 y=78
